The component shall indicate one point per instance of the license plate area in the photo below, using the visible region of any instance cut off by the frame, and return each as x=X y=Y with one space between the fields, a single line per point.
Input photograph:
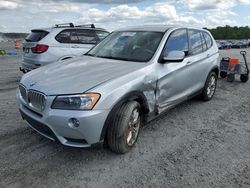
x=26 y=50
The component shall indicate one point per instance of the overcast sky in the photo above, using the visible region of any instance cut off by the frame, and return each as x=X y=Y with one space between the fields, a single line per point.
x=23 y=15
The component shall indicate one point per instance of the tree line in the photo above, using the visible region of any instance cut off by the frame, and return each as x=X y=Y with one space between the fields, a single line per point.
x=228 y=32
x=14 y=35
x=219 y=33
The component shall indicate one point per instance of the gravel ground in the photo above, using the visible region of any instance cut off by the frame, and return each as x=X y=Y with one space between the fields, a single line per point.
x=196 y=144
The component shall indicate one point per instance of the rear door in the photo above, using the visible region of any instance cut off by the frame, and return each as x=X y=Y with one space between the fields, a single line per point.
x=62 y=49
x=200 y=63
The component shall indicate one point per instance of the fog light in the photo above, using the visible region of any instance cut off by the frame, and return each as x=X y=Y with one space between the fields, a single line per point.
x=73 y=122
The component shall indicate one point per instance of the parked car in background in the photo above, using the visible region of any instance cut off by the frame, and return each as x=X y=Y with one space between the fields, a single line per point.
x=240 y=44
x=225 y=45
x=219 y=45
x=64 y=41
x=131 y=77
x=246 y=43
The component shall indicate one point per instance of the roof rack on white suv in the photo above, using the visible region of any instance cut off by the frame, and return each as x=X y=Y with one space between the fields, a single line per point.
x=72 y=25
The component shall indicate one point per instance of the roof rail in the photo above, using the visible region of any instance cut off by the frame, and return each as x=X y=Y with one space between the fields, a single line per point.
x=65 y=24
x=72 y=25
x=87 y=25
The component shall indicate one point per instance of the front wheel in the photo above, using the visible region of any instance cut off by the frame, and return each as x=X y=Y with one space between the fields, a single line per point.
x=124 y=129
x=210 y=87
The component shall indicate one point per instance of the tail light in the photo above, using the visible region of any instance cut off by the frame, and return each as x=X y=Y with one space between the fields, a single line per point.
x=40 y=48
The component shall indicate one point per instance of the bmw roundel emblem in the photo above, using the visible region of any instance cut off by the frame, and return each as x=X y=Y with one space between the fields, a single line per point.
x=32 y=84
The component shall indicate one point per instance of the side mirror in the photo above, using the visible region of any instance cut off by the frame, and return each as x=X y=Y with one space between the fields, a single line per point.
x=173 y=57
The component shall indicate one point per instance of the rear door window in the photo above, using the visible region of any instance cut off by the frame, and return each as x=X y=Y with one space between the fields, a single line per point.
x=208 y=39
x=36 y=35
x=195 y=42
x=177 y=41
x=64 y=36
x=203 y=42
x=74 y=37
x=86 y=36
x=68 y=36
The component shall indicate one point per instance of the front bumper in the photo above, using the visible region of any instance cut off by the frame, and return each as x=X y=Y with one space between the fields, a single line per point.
x=54 y=125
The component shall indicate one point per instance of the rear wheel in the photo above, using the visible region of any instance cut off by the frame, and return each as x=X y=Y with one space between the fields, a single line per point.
x=124 y=129
x=210 y=87
x=244 y=78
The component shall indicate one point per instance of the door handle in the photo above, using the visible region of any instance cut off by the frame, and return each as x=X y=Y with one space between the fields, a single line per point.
x=75 y=46
x=189 y=62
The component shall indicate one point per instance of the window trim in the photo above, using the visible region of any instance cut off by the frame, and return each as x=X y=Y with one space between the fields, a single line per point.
x=164 y=47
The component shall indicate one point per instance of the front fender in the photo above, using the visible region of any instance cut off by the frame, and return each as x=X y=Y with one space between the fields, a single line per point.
x=133 y=95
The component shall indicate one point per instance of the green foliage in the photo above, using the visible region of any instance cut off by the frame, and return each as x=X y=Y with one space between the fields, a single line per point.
x=228 y=32
x=2 y=52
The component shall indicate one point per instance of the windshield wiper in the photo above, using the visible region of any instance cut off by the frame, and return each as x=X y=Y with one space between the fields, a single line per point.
x=117 y=58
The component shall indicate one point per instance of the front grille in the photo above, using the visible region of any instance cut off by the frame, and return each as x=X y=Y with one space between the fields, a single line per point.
x=23 y=92
x=36 y=100
x=32 y=98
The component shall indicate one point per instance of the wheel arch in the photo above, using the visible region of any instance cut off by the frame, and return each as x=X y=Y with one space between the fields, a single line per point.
x=131 y=96
x=216 y=70
x=65 y=57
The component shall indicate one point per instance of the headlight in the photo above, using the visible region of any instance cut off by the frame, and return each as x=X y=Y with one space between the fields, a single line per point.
x=76 y=102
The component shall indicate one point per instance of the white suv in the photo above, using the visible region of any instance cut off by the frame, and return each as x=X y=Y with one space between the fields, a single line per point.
x=64 y=41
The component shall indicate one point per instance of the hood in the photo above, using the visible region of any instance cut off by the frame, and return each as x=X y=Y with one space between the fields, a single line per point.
x=77 y=75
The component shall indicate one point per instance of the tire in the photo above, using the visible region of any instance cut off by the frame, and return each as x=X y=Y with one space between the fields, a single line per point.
x=230 y=77
x=223 y=74
x=210 y=87
x=121 y=136
x=244 y=78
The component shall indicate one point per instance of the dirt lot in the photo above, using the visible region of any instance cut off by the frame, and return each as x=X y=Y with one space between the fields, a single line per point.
x=196 y=144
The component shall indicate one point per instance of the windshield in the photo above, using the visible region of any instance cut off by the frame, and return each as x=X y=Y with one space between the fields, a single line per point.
x=128 y=45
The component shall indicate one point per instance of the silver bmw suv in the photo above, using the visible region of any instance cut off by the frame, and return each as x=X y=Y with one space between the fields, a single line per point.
x=64 y=41
x=131 y=77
